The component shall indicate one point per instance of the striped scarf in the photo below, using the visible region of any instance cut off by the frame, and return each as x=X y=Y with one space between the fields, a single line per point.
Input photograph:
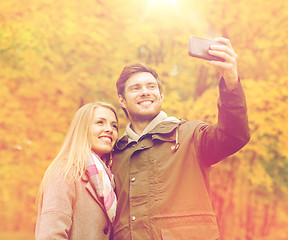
x=103 y=183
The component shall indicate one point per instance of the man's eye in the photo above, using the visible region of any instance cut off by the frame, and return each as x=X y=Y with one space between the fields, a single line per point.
x=135 y=88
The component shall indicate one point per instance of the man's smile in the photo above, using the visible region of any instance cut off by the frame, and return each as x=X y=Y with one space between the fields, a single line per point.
x=145 y=102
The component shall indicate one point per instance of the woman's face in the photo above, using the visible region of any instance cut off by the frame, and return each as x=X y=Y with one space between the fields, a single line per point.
x=103 y=131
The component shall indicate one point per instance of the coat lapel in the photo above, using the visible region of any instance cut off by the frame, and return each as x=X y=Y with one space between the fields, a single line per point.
x=89 y=188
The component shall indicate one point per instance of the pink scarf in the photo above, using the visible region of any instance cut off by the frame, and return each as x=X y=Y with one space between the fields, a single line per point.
x=103 y=183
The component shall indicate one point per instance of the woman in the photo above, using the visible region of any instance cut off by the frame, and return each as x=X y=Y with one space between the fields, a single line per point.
x=76 y=198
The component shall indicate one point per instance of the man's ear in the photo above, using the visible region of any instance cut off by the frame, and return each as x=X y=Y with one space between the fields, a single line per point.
x=122 y=101
x=161 y=97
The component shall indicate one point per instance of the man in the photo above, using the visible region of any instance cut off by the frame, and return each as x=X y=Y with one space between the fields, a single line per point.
x=161 y=164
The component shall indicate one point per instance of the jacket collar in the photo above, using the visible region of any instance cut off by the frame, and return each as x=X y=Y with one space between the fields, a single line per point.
x=161 y=124
x=134 y=136
x=161 y=117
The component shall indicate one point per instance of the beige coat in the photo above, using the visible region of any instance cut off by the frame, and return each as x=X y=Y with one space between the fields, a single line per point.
x=71 y=211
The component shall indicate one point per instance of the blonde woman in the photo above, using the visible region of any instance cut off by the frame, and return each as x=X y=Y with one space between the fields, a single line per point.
x=76 y=198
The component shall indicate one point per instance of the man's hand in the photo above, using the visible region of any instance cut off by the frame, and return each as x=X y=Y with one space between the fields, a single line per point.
x=228 y=68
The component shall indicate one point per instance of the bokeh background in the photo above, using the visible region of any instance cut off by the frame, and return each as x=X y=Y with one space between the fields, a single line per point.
x=56 y=56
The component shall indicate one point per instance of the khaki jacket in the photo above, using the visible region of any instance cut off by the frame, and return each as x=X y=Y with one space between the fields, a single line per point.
x=71 y=211
x=163 y=192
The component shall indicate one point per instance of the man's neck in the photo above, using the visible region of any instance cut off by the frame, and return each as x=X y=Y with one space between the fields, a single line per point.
x=139 y=126
x=142 y=126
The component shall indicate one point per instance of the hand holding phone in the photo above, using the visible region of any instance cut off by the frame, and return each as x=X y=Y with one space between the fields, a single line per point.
x=226 y=66
x=198 y=47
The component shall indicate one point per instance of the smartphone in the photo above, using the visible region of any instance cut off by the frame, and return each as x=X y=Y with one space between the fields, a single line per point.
x=198 y=47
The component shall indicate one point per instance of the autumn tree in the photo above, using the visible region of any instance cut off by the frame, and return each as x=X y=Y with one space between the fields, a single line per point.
x=56 y=56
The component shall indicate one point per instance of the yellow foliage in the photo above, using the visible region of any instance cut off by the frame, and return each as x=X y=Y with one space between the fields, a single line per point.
x=57 y=55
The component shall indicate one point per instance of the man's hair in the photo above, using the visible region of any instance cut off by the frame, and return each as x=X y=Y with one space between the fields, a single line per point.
x=130 y=70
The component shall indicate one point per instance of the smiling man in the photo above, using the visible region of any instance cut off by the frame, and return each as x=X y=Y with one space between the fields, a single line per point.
x=161 y=164
x=141 y=99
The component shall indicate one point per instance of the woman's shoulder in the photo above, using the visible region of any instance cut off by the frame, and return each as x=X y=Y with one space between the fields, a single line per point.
x=58 y=175
x=61 y=187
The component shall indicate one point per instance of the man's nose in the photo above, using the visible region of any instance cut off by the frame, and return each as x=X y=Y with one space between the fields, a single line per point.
x=145 y=91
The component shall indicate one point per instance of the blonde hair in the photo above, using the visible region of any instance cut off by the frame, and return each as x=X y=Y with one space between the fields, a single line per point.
x=73 y=155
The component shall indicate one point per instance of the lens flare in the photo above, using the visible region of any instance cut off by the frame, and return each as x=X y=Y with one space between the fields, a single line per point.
x=153 y=3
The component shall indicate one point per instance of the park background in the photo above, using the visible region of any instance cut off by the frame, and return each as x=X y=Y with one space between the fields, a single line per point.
x=56 y=56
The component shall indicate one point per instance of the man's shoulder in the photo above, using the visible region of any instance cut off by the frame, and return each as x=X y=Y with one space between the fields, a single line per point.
x=190 y=127
x=193 y=123
x=187 y=124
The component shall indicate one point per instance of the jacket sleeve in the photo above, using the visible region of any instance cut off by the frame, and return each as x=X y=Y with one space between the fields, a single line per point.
x=55 y=210
x=230 y=133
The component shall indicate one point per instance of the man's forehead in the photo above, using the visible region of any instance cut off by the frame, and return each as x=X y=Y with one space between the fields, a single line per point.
x=141 y=78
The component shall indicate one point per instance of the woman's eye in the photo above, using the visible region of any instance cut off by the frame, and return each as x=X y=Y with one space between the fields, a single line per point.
x=115 y=127
x=99 y=122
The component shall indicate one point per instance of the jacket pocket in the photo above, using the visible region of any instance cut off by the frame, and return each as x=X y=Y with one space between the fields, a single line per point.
x=192 y=232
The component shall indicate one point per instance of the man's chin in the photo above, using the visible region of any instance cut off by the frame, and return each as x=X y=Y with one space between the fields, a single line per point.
x=144 y=116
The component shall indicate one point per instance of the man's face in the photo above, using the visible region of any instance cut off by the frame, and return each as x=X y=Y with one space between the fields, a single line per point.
x=142 y=98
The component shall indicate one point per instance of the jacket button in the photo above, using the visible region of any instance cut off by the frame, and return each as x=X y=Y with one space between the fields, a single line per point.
x=133 y=218
x=105 y=230
x=143 y=146
x=133 y=179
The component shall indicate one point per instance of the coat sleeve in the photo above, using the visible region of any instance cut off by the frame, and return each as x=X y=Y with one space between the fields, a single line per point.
x=55 y=210
x=230 y=133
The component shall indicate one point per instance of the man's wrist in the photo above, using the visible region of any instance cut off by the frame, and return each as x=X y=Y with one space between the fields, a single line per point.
x=229 y=86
